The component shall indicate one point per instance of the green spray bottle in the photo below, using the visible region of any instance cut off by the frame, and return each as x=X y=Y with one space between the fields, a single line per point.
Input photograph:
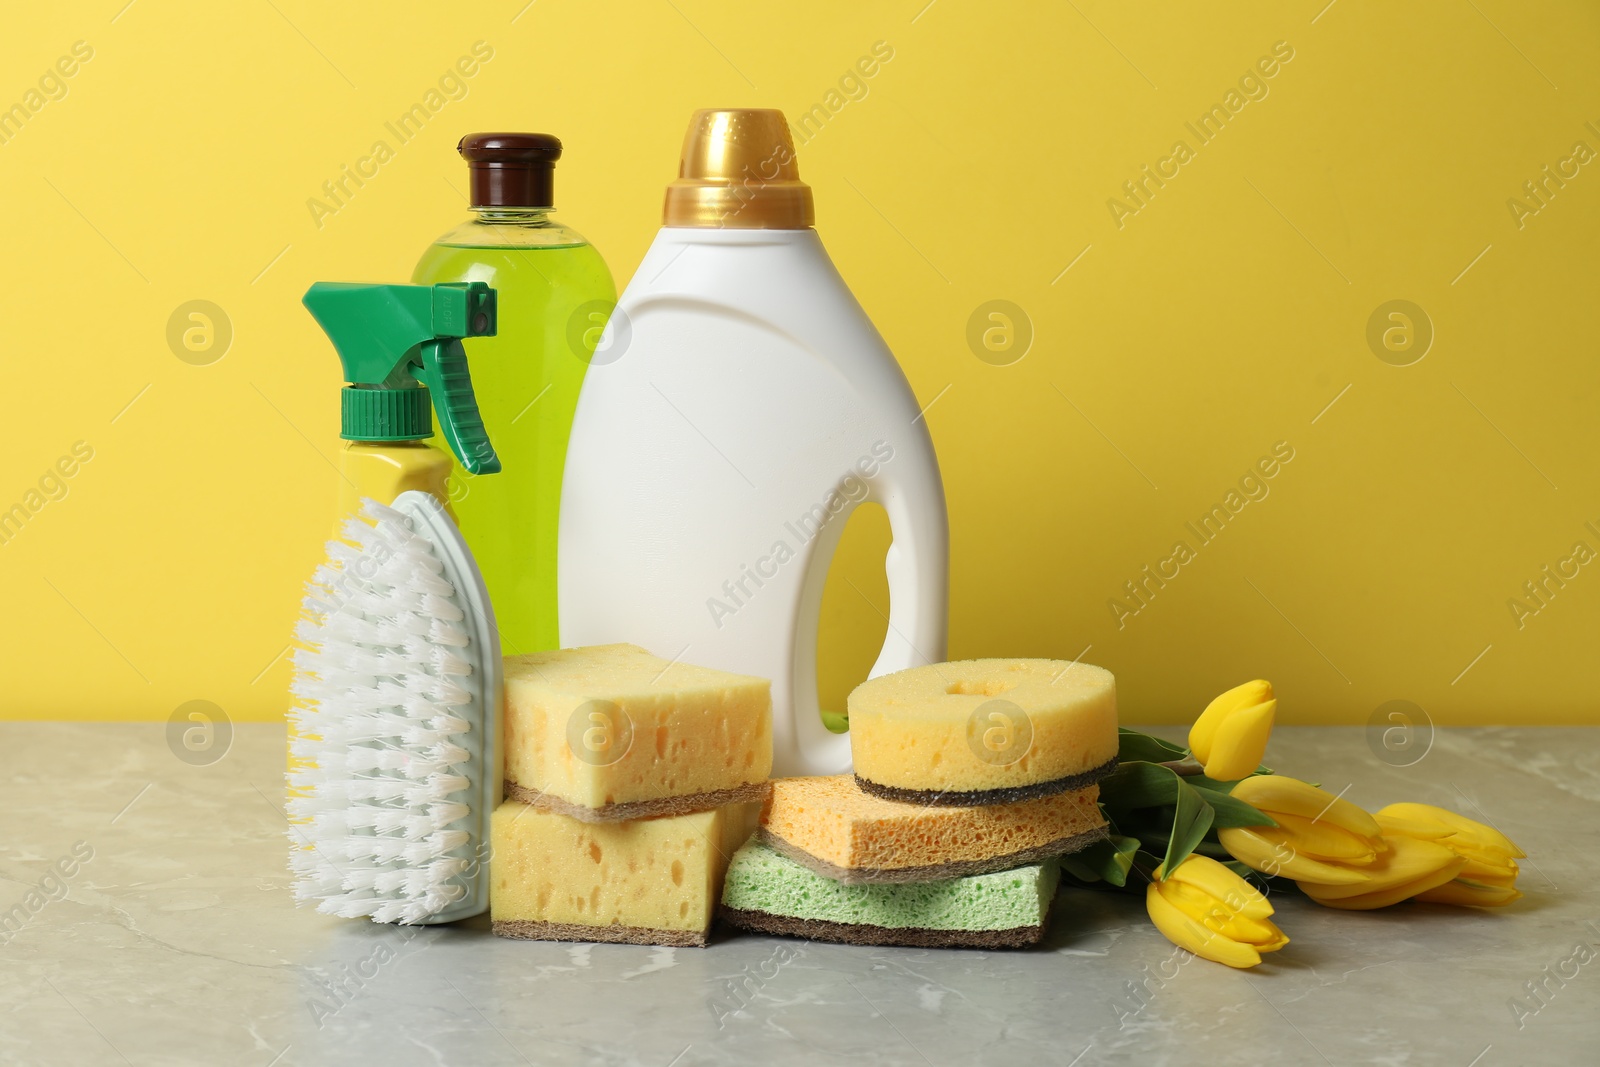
x=556 y=295
x=400 y=346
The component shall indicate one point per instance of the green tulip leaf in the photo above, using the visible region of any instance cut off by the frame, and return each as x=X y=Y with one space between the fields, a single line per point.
x=1151 y=833
x=1231 y=811
x=1156 y=844
x=1139 y=784
x=1189 y=825
x=1124 y=844
x=1078 y=869
x=1135 y=746
x=1136 y=785
x=1107 y=860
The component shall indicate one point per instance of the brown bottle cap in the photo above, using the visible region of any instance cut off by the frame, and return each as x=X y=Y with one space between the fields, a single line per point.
x=738 y=171
x=510 y=169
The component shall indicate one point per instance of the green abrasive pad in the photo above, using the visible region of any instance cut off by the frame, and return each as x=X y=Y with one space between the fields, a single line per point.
x=768 y=892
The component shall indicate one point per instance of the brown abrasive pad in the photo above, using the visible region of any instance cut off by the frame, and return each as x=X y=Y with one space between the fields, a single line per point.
x=972 y=798
x=762 y=922
x=529 y=930
x=638 y=809
x=935 y=873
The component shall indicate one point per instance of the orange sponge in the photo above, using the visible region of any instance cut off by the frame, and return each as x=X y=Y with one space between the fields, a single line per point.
x=841 y=832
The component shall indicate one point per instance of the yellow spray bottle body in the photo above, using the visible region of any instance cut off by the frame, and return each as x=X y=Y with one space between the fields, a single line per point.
x=382 y=470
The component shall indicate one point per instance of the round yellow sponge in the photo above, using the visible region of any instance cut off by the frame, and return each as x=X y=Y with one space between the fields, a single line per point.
x=984 y=731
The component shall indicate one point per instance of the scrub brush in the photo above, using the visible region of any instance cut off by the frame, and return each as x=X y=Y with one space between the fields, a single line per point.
x=395 y=754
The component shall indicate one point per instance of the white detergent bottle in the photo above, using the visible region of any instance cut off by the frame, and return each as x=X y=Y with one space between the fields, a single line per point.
x=739 y=407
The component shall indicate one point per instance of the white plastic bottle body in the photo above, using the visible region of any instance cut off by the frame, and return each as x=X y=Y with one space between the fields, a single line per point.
x=743 y=407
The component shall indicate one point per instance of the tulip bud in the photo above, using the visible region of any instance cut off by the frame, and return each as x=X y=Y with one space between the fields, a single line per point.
x=1230 y=736
x=1489 y=871
x=1208 y=909
x=1408 y=866
x=1319 y=838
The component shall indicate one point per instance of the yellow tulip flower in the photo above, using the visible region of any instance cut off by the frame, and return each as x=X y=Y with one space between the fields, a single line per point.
x=1230 y=736
x=1319 y=838
x=1206 y=908
x=1489 y=874
x=1407 y=867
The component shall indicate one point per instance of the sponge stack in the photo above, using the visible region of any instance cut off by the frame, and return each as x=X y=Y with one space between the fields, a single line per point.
x=971 y=780
x=630 y=781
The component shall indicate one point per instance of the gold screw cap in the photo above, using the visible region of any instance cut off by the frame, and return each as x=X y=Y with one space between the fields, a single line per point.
x=738 y=171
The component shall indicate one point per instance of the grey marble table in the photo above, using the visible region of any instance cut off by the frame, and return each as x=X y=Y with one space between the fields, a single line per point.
x=174 y=941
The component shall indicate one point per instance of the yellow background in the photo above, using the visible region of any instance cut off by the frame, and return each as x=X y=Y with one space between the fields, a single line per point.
x=1225 y=316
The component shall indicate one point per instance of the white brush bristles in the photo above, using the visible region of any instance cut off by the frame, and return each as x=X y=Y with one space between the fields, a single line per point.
x=378 y=784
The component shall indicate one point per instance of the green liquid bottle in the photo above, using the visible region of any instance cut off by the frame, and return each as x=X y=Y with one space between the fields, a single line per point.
x=555 y=294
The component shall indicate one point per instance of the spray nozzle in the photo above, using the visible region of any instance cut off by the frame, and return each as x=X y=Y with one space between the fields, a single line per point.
x=401 y=347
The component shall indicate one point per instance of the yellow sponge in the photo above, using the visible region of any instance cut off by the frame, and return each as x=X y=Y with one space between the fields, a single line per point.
x=984 y=731
x=831 y=826
x=646 y=881
x=612 y=732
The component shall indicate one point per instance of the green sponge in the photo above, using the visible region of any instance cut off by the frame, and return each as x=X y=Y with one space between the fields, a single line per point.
x=767 y=892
